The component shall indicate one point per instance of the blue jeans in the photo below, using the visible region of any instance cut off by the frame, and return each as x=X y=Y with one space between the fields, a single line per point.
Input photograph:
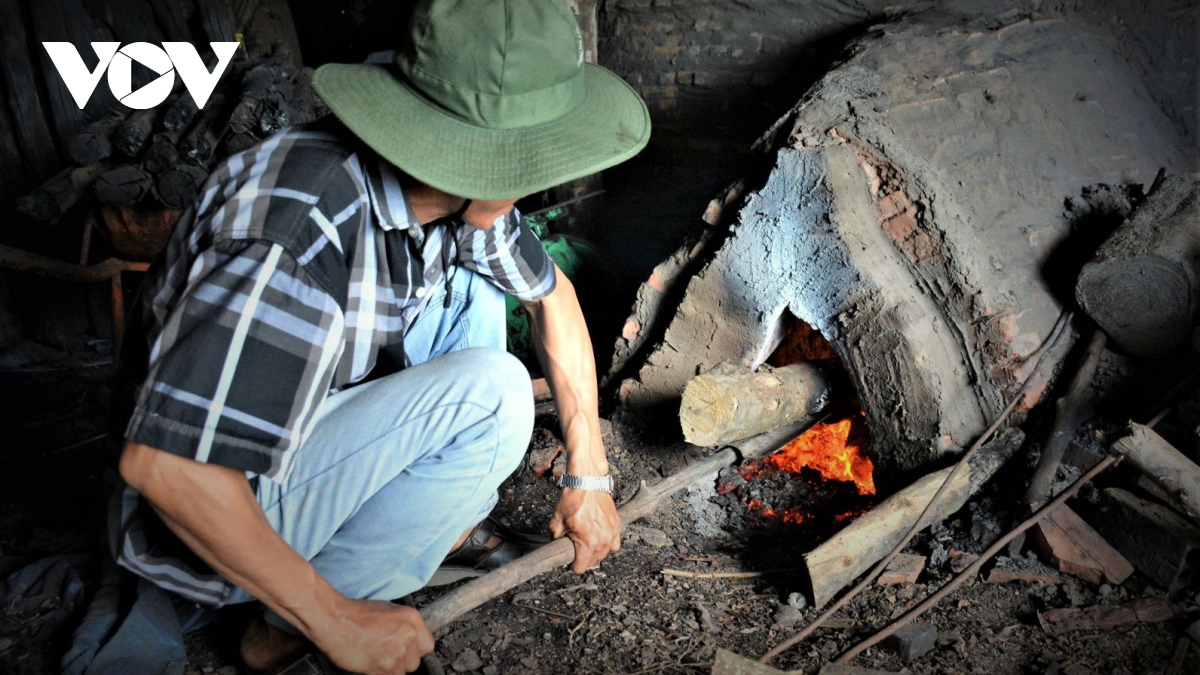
x=396 y=469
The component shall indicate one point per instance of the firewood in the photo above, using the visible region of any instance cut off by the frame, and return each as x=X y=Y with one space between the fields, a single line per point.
x=163 y=154
x=1163 y=464
x=439 y=613
x=180 y=113
x=849 y=553
x=66 y=21
x=56 y=196
x=1143 y=286
x=726 y=405
x=178 y=187
x=124 y=185
x=199 y=143
x=266 y=93
x=131 y=136
x=95 y=141
x=217 y=20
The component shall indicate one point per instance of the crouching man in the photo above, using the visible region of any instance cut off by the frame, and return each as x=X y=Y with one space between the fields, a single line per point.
x=321 y=407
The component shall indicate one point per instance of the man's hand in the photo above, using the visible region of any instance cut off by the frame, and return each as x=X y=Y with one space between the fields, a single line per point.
x=589 y=518
x=375 y=638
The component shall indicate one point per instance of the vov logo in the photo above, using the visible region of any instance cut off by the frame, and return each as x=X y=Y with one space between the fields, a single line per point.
x=172 y=57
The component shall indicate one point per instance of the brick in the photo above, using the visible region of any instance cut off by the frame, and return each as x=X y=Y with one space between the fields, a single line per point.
x=960 y=560
x=914 y=640
x=1073 y=547
x=1101 y=617
x=903 y=569
x=1159 y=542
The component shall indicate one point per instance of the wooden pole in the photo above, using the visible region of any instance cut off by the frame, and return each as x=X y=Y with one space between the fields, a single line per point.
x=836 y=563
x=1164 y=465
x=439 y=613
x=722 y=406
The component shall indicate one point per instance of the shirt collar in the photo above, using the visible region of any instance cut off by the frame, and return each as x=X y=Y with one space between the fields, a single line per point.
x=388 y=202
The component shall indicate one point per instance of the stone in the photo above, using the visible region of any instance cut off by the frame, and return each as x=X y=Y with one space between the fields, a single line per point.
x=797 y=600
x=1008 y=570
x=728 y=663
x=842 y=669
x=786 y=616
x=468 y=660
x=914 y=640
x=903 y=569
x=655 y=538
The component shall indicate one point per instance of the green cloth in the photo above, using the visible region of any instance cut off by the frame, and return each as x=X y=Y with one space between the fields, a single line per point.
x=490 y=99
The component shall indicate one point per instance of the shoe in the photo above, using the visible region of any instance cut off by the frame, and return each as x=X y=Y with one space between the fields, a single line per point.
x=475 y=558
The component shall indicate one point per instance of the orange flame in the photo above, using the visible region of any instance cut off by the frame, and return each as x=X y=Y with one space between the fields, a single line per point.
x=836 y=450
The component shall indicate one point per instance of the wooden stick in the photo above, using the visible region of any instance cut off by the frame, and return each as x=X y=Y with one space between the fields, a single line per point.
x=1071 y=411
x=1164 y=465
x=722 y=575
x=56 y=196
x=843 y=557
x=1060 y=329
x=971 y=570
x=439 y=613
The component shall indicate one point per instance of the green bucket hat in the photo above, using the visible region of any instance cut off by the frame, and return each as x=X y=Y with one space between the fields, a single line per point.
x=490 y=99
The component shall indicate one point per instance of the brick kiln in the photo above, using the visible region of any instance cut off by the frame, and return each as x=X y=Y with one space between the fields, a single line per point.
x=911 y=214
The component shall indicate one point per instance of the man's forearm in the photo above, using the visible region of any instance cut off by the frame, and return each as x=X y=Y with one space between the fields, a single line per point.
x=565 y=351
x=212 y=510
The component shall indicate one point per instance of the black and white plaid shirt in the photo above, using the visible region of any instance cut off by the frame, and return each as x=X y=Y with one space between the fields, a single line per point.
x=295 y=275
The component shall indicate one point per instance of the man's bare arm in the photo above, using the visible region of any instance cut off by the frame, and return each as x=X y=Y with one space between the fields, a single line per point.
x=565 y=351
x=212 y=510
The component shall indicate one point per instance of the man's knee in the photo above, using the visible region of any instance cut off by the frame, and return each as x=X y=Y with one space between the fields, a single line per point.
x=505 y=376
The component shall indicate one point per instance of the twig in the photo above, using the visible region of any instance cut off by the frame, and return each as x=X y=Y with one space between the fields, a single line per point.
x=992 y=550
x=721 y=575
x=1058 y=331
x=582 y=622
x=543 y=611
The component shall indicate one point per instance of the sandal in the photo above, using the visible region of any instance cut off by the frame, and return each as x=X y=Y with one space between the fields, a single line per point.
x=475 y=559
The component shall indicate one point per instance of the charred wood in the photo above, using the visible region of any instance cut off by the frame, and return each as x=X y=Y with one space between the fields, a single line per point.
x=95 y=141
x=178 y=187
x=162 y=155
x=180 y=113
x=56 y=196
x=33 y=135
x=67 y=21
x=174 y=16
x=124 y=185
x=131 y=136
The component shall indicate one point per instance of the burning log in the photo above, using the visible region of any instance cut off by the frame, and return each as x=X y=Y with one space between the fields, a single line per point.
x=849 y=553
x=131 y=136
x=1165 y=465
x=95 y=141
x=725 y=405
x=125 y=185
x=57 y=195
x=1143 y=286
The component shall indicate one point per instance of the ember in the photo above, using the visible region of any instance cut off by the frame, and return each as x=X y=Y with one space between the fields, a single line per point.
x=836 y=450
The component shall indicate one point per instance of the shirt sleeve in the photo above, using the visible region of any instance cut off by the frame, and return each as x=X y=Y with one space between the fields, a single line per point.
x=246 y=354
x=510 y=256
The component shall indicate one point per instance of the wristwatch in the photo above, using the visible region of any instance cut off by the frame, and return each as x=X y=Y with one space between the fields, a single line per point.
x=597 y=483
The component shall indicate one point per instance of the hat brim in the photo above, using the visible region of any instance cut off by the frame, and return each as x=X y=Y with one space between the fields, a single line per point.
x=609 y=126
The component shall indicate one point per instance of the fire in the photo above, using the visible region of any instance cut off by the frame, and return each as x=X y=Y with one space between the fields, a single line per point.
x=836 y=450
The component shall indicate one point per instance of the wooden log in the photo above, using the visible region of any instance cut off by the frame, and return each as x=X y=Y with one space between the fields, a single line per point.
x=178 y=187
x=216 y=19
x=163 y=153
x=266 y=90
x=132 y=135
x=1143 y=286
x=1163 y=464
x=180 y=113
x=16 y=70
x=124 y=185
x=95 y=141
x=200 y=142
x=725 y=405
x=840 y=560
x=131 y=21
x=439 y=613
x=56 y=196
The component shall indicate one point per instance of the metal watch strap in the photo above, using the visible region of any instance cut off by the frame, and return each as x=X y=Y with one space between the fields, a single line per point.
x=597 y=483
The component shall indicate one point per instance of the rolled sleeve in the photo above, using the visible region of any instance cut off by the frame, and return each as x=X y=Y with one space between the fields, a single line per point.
x=510 y=256
x=244 y=358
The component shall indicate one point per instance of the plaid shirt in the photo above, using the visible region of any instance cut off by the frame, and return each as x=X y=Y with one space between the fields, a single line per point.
x=301 y=266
